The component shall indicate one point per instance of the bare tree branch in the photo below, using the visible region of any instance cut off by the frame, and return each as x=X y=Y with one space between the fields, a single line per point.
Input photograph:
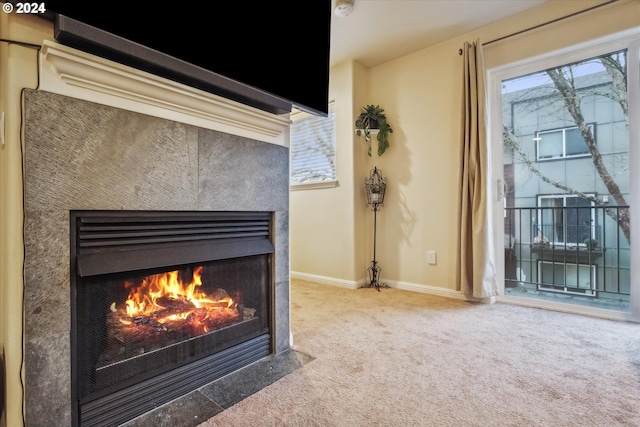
x=511 y=141
x=568 y=91
x=618 y=72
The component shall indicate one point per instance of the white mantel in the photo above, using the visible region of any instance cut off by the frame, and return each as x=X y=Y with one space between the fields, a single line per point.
x=67 y=71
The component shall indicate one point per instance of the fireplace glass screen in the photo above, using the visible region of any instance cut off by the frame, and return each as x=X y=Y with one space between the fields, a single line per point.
x=141 y=323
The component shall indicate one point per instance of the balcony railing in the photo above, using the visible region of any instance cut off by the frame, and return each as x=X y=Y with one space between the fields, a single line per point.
x=572 y=250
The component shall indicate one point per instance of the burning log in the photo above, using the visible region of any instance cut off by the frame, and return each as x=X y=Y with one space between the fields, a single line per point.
x=131 y=336
x=173 y=303
x=163 y=311
x=247 y=313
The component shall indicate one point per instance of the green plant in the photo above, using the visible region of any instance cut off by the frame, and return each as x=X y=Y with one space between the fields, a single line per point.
x=373 y=117
x=591 y=243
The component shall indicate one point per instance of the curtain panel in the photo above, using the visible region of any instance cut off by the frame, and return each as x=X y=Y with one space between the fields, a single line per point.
x=475 y=272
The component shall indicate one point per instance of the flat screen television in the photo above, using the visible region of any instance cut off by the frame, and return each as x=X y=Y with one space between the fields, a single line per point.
x=270 y=55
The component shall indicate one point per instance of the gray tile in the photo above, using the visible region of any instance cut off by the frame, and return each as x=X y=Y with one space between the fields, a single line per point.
x=47 y=385
x=46 y=294
x=282 y=315
x=81 y=155
x=187 y=411
x=237 y=386
x=237 y=173
x=200 y=405
x=282 y=246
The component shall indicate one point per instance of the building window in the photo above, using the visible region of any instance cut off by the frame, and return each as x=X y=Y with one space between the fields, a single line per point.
x=567 y=277
x=313 y=148
x=565 y=220
x=561 y=143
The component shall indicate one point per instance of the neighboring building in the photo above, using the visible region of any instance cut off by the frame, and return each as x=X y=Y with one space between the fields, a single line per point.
x=562 y=238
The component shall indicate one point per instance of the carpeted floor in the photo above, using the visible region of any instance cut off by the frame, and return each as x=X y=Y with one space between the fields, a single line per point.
x=398 y=358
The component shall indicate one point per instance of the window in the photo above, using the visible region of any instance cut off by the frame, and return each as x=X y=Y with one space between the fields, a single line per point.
x=312 y=149
x=567 y=277
x=559 y=143
x=565 y=219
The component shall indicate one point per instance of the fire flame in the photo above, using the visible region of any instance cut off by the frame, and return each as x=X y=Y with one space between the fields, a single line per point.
x=167 y=308
x=158 y=289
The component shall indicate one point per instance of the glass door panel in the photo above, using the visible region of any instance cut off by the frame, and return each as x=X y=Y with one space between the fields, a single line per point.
x=566 y=164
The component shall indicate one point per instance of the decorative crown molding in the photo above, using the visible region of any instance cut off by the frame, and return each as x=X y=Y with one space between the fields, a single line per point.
x=74 y=73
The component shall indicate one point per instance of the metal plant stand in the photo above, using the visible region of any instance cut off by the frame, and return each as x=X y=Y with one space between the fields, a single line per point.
x=375 y=187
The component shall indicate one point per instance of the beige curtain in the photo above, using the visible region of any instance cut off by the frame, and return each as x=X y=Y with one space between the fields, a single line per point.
x=476 y=277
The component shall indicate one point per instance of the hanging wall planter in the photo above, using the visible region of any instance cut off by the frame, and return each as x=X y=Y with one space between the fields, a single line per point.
x=373 y=120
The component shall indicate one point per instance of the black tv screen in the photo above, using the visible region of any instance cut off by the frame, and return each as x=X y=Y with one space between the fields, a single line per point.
x=270 y=55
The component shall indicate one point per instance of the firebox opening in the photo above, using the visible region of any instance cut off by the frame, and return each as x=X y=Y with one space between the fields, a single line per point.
x=146 y=323
x=132 y=329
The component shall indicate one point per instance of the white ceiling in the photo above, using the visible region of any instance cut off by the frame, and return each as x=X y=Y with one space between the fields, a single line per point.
x=378 y=31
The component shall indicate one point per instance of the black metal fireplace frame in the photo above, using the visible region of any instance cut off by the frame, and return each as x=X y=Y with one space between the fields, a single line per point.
x=163 y=239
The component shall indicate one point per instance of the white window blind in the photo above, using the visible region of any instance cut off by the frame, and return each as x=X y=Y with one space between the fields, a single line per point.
x=312 y=147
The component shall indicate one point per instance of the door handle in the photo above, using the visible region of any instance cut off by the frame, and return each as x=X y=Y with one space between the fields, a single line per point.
x=502 y=188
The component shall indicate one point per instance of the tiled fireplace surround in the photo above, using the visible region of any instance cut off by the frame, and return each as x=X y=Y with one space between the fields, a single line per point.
x=84 y=155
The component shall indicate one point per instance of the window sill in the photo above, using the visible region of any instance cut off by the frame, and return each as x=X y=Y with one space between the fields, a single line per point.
x=575 y=254
x=313 y=185
x=569 y=157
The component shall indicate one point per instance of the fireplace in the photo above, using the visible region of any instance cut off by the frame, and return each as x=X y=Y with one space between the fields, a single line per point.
x=95 y=168
x=163 y=303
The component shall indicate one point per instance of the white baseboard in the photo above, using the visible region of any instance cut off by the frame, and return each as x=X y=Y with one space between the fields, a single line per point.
x=425 y=289
x=350 y=284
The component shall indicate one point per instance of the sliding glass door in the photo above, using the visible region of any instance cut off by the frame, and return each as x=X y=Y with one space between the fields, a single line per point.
x=564 y=152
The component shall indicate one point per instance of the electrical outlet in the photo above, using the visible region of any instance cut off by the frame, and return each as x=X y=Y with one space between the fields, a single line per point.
x=431 y=257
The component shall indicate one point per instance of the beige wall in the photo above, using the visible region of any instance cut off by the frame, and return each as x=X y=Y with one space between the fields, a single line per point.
x=322 y=230
x=421 y=96
x=18 y=65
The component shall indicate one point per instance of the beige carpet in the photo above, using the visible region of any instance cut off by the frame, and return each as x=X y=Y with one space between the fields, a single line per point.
x=397 y=358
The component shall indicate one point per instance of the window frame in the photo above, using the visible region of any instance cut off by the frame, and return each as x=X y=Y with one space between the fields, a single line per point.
x=552 y=239
x=318 y=184
x=567 y=267
x=627 y=39
x=564 y=155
